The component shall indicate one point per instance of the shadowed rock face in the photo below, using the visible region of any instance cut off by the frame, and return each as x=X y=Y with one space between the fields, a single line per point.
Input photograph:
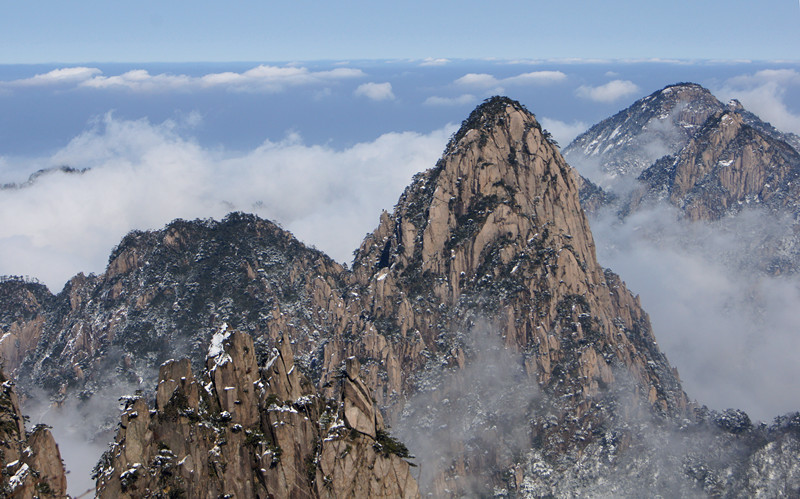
x=30 y=463
x=252 y=432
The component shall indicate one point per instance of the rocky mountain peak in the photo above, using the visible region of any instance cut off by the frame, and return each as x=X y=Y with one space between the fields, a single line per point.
x=615 y=151
x=631 y=140
x=735 y=106
x=496 y=226
x=492 y=243
x=30 y=463
x=500 y=163
x=728 y=165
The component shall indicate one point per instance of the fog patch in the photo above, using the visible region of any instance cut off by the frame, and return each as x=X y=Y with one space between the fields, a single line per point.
x=473 y=416
x=729 y=328
x=82 y=428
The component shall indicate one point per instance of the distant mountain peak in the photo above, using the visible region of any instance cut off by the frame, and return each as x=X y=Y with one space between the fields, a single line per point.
x=630 y=141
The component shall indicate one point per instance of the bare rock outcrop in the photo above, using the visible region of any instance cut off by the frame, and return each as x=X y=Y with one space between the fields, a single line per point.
x=23 y=305
x=30 y=463
x=496 y=230
x=241 y=431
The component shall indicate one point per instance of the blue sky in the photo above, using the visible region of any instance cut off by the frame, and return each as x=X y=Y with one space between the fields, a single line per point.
x=152 y=31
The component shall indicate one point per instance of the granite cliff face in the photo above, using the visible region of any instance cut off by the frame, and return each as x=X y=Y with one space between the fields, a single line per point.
x=493 y=238
x=246 y=432
x=496 y=232
x=30 y=463
x=727 y=166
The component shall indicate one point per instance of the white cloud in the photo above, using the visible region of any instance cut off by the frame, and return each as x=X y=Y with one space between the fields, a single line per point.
x=142 y=81
x=375 y=91
x=477 y=80
x=763 y=93
x=430 y=61
x=609 y=92
x=56 y=77
x=460 y=100
x=485 y=80
x=563 y=132
x=143 y=175
x=535 y=78
x=261 y=78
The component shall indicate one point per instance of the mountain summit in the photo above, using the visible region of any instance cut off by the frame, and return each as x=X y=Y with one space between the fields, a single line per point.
x=496 y=231
x=624 y=145
x=726 y=166
x=627 y=143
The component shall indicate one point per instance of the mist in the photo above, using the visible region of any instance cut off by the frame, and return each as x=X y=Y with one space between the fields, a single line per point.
x=475 y=415
x=139 y=175
x=82 y=428
x=729 y=327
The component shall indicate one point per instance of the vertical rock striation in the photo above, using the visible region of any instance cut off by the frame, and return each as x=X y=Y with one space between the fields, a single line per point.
x=30 y=463
x=246 y=432
x=496 y=230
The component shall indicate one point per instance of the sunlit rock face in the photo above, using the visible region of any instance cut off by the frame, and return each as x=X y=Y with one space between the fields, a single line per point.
x=30 y=463
x=727 y=167
x=246 y=431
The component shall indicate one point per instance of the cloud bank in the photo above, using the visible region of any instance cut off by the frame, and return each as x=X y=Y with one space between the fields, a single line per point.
x=763 y=93
x=486 y=81
x=730 y=329
x=141 y=175
x=262 y=78
x=609 y=92
x=375 y=91
x=430 y=61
